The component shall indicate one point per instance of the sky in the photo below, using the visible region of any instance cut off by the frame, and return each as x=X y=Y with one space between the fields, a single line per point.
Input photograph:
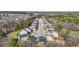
x=39 y=5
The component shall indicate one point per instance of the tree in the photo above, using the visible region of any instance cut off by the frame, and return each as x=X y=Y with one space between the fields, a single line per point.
x=60 y=26
x=24 y=24
x=1 y=34
x=32 y=39
x=64 y=33
x=42 y=39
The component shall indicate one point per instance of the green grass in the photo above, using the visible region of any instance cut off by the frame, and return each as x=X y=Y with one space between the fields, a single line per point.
x=15 y=43
x=14 y=34
x=69 y=19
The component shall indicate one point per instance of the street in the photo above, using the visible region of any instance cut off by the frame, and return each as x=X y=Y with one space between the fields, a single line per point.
x=44 y=29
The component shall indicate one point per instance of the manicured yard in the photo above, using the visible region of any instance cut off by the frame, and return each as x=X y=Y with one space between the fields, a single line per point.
x=13 y=34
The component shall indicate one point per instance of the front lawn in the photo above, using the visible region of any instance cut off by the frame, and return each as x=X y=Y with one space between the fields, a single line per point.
x=13 y=34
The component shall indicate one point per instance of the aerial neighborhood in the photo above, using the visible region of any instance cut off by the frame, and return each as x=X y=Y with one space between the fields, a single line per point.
x=39 y=29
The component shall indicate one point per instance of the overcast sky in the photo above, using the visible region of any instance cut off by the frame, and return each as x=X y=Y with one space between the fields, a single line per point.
x=38 y=5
